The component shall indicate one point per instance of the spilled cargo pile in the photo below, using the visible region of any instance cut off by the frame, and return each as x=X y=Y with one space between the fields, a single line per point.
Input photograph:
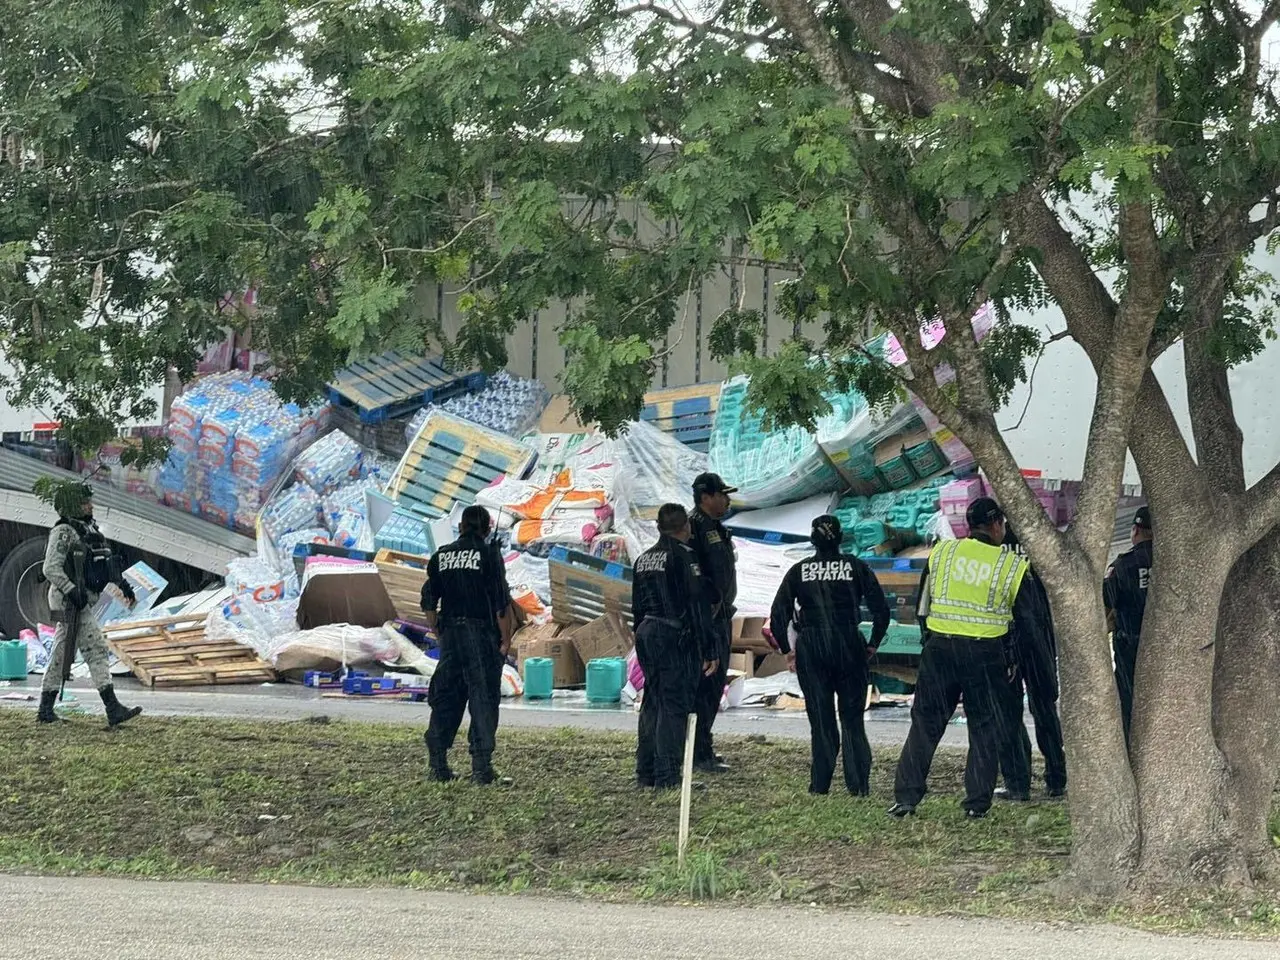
x=343 y=537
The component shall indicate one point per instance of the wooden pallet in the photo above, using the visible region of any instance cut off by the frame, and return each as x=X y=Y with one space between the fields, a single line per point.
x=687 y=413
x=174 y=651
x=403 y=574
x=584 y=587
x=394 y=383
x=452 y=459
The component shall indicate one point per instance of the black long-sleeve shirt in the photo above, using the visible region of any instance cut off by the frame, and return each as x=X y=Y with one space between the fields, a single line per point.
x=830 y=589
x=719 y=566
x=1024 y=609
x=1125 y=589
x=466 y=580
x=665 y=583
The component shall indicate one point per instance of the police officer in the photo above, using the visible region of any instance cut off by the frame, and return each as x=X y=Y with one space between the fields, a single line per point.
x=1036 y=650
x=78 y=565
x=718 y=562
x=674 y=644
x=466 y=585
x=831 y=655
x=972 y=602
x=1124 y=592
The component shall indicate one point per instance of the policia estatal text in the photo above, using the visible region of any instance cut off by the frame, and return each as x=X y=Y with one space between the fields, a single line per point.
x=78 y=565
x=971 y=602
x=830 y=655
x=718 y=563
x=466 y=584
x=675 y=644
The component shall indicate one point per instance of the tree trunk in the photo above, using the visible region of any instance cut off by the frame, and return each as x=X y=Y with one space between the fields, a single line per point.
x=1102 y=798
x=1183 y=778
x=1246 y=699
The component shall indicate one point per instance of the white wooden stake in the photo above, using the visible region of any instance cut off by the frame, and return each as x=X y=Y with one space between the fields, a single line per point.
x=686 y=787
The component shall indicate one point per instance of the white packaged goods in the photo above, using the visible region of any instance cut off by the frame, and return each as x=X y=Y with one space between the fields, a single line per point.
x=507 y=404
x=231 y=439
x=651 y=468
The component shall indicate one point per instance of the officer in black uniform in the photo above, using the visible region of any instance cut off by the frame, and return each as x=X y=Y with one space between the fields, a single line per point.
x=674 y=643
x=831 y=654
x=467 y=585
x=718 y=562
x=1036 y=650
x=1124 y=592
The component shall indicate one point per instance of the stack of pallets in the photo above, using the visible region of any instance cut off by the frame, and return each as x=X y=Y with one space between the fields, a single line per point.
x=393 y=384
x=174 y=652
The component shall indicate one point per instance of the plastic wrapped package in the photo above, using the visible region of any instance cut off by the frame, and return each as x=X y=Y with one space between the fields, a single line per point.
x=349 y=528
x=329 y=463
x=294 y=508
x=512 y=682
x=507 y=404
x=252 y=577
x=652 y=468
x=564 y=527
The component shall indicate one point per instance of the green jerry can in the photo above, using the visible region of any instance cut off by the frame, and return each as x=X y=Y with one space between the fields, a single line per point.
x=13 y=660
x=604 y=680
x=539 y=678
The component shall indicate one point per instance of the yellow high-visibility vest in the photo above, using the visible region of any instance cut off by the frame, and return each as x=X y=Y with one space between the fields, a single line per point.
x=971 y=587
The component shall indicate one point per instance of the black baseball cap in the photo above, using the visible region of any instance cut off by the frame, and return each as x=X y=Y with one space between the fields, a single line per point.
x=1142 y=518
x=982 y=511
x=711 y=483
x=826 y=529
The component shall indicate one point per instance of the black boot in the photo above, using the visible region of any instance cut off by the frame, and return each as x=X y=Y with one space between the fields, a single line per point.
x=440 y=772
x=46 y=714
x=117 y=713
x=482 y=773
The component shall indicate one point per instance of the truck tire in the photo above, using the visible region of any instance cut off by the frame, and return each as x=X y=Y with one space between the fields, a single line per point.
x=24 y=600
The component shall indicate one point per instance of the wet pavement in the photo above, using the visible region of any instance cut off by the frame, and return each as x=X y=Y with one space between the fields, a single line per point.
x=886 y=726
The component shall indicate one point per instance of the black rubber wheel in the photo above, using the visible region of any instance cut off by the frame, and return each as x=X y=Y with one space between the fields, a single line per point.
x=24 y=599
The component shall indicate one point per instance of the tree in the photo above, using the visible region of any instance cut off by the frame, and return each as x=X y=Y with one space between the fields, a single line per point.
x=910 y=163
x=916 y=162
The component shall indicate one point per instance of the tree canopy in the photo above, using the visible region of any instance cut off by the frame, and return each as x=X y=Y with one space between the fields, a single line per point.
x=909 y=162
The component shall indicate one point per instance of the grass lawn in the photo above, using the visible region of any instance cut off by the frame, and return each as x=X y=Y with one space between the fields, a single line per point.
x=346 y=803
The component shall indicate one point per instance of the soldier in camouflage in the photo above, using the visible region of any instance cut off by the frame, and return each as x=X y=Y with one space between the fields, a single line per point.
x=78 y=565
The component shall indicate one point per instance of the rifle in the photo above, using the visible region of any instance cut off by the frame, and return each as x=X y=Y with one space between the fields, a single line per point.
x=73 y=625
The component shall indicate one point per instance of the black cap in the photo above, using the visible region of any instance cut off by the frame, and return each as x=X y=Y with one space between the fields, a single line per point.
x=826 y=530
x=1142 y=518
x=983 y=511
x=711 y=483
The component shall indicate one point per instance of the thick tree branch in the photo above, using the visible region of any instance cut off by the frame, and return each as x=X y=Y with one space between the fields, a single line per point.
x=1261 y=512
x=769 y=38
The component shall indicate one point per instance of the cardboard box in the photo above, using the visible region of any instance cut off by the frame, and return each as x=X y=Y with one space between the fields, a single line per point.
x=743 y=663
x=353 y=595
x=558 y=417
x=772 y=665
x=748 y=634
x=606 y=636
x=547 y=640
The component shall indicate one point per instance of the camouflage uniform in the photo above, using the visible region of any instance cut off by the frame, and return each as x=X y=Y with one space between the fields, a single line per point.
x=89 y=637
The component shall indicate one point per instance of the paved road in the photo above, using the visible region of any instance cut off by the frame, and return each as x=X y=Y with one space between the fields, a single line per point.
x=92 y=919
x=886 y=727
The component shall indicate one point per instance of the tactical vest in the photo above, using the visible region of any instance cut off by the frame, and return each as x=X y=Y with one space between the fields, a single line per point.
x=89 y=562
x=972 y=586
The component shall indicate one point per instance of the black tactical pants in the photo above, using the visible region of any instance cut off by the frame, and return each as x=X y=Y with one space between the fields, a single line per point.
x=1038 y=676
x=669 y=658
x=710 y=692
x=1126 y=656
x=833 y=667
x=951 y=668
x=468 y=677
